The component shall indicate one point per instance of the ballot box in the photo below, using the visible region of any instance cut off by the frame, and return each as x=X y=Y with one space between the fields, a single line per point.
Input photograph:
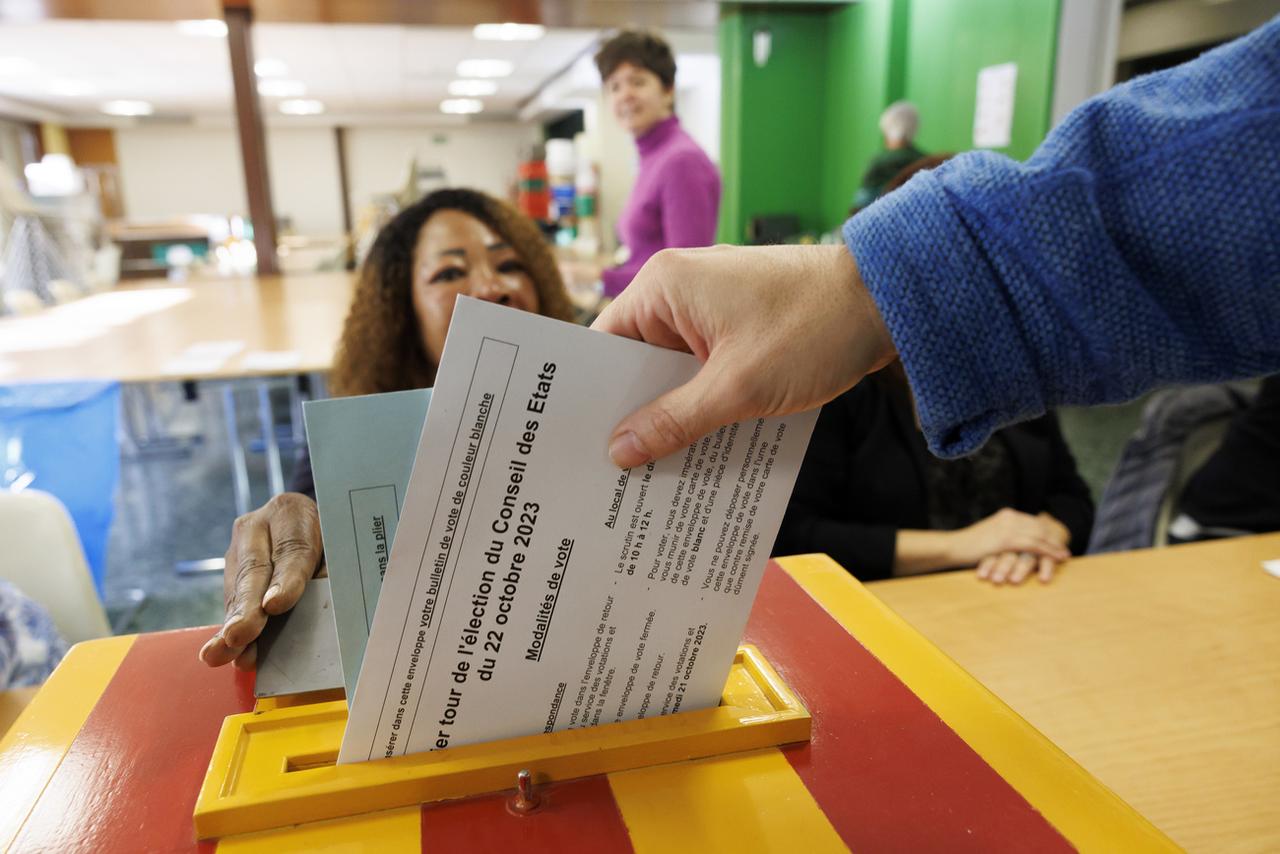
x=880 y=743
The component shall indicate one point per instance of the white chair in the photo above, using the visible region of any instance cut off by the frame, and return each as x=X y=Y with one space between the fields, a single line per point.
x=42 y=557
x=20 y=302
x=65 y=290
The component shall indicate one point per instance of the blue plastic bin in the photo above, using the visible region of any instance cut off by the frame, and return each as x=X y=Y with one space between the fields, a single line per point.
x=61 y=438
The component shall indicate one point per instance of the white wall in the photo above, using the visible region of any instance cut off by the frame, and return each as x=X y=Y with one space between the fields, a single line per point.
x=174 y=171
x=305 y=185
x=698 y=99
x=481 y=156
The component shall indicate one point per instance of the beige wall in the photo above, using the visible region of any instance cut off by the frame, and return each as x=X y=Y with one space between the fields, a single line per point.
x=304 y=178
x=1166 y=25
x=167 y=172
x=483 y=157
x=172 y=171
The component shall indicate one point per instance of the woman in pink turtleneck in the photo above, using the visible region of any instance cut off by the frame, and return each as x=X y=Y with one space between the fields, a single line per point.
x=676 y=197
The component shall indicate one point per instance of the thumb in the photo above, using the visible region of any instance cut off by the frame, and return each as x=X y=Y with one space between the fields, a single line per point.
x=675 y=420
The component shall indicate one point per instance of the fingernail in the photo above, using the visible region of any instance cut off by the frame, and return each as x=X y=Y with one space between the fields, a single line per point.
x=271 y=594
x=230 y=623
x=208 y=645
x=626 y=451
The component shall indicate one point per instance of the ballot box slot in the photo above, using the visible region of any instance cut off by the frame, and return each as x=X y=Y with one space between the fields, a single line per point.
x=277 y=767
x=308 y=761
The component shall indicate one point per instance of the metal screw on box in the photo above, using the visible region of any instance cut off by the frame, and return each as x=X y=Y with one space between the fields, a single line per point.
x=526 y=799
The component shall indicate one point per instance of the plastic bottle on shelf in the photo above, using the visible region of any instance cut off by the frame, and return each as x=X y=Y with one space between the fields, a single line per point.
x=532 y=195
x=587 y=206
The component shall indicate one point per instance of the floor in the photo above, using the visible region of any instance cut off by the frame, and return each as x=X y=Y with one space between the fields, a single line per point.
x=178 y=505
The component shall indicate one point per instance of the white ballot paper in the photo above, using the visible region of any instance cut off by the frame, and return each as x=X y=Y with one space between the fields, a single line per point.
x=533 y=586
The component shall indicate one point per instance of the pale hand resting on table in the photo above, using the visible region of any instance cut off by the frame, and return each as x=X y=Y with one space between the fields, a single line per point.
x=1007 y=546
x=779 y=329
x=274 y=551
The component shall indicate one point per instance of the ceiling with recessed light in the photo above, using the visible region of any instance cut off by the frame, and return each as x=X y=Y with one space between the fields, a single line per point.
x=68 y=70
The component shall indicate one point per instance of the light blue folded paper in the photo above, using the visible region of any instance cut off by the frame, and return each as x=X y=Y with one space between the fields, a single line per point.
x=362 y=452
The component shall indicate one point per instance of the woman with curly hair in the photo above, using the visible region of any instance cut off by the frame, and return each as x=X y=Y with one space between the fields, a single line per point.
x=451 y=243
x=418 y=265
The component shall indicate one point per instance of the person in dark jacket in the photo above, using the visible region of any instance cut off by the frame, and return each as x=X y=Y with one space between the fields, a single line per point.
x=870 y=495
x=1237 y=490
x=898 y=125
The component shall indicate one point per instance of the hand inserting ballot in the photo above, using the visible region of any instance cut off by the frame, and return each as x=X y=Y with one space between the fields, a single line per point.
x=274 y=551
x=779 y=329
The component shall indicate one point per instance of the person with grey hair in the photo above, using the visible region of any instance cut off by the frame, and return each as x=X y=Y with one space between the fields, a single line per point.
x=898 y=125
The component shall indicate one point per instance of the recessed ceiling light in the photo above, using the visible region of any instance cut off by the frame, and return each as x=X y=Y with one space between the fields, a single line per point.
x=509 y=32
x=281 y=88
x=69 y=88
x=485 y=68
x=16 y=66
x=461 y=106
x=301 y=107
x=207 y=28
x=472 y=88
x=127 y=108
x=270 y=68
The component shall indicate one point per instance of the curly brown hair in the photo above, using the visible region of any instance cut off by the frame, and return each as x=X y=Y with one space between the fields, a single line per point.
x=381 y=345
x=642 y=49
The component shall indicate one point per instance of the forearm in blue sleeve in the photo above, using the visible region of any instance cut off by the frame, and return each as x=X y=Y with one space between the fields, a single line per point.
x=1139 y=246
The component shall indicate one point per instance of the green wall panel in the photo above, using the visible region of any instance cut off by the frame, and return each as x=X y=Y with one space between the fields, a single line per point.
x=732 y=56
x=772 y=117
x=797 y=135
x=950 y=40
x=861 y=48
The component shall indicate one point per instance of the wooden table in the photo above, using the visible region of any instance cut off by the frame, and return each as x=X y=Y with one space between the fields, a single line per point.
x=133 y=332
x=140 y=333
x=1158 y=671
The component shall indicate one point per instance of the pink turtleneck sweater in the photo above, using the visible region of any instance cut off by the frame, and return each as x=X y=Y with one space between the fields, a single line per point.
x=675 y=200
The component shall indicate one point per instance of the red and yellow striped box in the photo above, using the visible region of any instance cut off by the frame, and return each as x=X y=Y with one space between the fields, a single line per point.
x=908 y=753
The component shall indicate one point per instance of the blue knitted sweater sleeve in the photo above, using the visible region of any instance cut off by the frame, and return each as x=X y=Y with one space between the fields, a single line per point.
x=1139 y=246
